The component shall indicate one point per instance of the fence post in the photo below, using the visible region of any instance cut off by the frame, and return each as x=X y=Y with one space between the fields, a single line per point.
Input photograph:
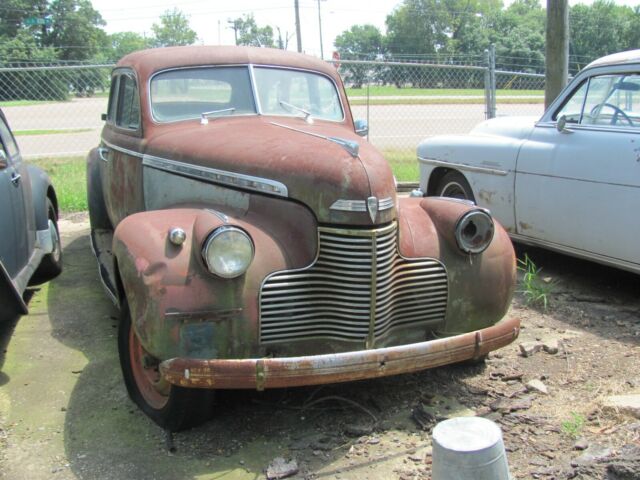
x=490 y=82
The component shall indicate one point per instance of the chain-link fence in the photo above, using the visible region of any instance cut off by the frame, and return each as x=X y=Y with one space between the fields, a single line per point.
x=55 y=110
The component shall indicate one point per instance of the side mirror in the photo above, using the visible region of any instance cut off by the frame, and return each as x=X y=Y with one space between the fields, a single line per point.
x=4 y=163
x=561 y=125
x=362 y=128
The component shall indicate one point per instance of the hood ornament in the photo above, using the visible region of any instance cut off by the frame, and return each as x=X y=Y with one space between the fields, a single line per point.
x=372 y=206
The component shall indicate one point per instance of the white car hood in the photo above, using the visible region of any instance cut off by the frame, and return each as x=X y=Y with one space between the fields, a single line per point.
x=511 y=127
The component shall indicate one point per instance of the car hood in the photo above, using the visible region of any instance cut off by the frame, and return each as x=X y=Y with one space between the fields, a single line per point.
x=316 y=171
x=512 y=127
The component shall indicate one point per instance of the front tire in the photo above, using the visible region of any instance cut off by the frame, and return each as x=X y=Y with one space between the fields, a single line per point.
x=51 y=264
x=172 y=408
x=454 y=185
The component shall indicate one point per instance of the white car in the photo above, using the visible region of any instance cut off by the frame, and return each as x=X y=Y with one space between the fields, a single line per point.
x=569 y=181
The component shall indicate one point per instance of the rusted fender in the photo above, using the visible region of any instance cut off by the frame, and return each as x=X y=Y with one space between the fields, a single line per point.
x=480 y=286
x=339 y=367
x=178 y=308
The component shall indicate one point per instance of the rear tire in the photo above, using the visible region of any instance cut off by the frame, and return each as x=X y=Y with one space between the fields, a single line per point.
x=172 y=408
x=454 y=185
x=51 y=264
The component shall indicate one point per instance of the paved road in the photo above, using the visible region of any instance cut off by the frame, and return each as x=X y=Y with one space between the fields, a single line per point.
x=391 y=126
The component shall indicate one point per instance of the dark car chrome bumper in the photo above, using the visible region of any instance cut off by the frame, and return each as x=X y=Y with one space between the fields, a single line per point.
x=338 y=367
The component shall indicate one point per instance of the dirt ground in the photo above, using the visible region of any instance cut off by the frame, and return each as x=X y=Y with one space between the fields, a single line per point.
x=65 y=414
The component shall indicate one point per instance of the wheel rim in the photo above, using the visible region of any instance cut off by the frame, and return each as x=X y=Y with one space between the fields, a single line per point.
x=453 y=190
x=55 y=240
x=153 y=388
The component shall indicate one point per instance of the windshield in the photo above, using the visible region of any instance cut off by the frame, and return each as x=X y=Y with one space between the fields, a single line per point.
x=189 y=92
x=293 y=93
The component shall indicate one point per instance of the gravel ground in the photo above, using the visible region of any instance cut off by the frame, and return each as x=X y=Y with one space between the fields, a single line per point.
x=64 y=412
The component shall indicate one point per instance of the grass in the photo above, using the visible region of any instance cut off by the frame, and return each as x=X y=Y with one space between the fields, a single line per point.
x=388 y=90
x=68 y=175
x=535 y=290
x=404 y=164
x=573 y=426
x=19 y=133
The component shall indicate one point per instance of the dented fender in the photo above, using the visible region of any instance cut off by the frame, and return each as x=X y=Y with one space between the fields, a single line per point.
x=178 y=308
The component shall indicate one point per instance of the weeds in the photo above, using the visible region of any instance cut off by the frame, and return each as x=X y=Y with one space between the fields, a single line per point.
x=573 y=427
x=535 y=290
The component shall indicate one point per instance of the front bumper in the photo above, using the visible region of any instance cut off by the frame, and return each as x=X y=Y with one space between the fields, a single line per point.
x=338 y=367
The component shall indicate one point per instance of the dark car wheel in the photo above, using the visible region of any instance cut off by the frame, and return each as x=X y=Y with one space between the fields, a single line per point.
x=172 y=408
x=454 y=185
x=51 y=264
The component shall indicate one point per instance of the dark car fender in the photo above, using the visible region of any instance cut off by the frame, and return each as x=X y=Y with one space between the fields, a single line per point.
x=178 y=308
x=481 y=285
x=41 y=190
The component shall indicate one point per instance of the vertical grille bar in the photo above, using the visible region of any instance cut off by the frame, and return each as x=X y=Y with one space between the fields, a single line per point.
x=358 y=289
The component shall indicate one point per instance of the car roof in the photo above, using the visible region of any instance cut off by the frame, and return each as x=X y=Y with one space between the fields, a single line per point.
x=146 y=62
x=630 y=56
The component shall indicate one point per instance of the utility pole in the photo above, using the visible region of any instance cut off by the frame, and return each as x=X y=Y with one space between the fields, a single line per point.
x=320 y=27
x=556 y=49
x=298 y=34
x=235 y=27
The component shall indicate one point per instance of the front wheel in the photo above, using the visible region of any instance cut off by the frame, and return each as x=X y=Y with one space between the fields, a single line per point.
x=454 y=185
x=172 y=408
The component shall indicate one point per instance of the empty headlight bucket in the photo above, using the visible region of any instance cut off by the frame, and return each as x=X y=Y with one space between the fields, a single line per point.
x=228 y=252
x=474 y=231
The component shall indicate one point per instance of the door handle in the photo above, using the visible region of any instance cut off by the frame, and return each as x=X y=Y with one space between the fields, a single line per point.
x=15 y=178
x=102 y=153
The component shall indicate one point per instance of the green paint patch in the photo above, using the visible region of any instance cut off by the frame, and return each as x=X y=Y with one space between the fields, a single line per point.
x=68 y=175
x=404 y=163
x=21 y=133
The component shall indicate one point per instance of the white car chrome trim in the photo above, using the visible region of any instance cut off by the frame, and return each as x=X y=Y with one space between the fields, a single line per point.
x=462 y=166
x=232 y=179
x=583 y=254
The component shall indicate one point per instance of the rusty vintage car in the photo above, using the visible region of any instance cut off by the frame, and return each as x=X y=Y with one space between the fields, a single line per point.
x=252 y=239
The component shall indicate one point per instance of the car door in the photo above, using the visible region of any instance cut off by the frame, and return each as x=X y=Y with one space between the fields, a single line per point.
x=577 y=186
x=120 y=152
x=15 y=198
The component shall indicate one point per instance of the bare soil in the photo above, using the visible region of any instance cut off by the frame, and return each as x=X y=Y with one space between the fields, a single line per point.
x=64 y=412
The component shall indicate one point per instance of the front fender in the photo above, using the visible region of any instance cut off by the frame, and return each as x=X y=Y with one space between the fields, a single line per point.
x=178 y=308
x=480 y=286
x=41 y=189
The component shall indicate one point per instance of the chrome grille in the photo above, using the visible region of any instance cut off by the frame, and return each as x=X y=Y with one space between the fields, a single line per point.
x=359 y=288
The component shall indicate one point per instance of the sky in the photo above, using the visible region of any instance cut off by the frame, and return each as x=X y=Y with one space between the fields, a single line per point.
x=209 y=17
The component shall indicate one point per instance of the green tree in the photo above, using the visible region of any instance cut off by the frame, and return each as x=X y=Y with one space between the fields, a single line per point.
x=75 y=30
x=173 y=30
x=249 y=33
x=360 y=42
x=123 y=43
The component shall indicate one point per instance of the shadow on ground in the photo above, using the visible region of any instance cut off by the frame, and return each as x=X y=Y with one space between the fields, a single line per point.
x=107 y=437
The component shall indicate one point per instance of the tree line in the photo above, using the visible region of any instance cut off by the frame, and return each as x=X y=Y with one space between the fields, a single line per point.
x=459 y=31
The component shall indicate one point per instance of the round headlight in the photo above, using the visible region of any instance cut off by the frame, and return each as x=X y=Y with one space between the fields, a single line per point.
x=474 y=231
x=228 y=252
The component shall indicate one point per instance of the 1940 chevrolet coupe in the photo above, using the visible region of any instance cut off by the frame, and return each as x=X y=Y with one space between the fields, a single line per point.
x=252 y=239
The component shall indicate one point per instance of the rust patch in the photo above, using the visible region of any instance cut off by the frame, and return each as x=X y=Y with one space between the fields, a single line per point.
x=486 y=196
x=524 y=226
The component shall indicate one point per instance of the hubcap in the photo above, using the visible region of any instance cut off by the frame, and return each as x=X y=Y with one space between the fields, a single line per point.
x=453 y=190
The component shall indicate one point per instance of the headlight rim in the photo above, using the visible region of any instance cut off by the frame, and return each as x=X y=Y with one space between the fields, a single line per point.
x=458 y=231
x=215 y=233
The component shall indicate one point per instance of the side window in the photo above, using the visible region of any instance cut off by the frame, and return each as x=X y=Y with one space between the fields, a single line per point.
x=607 y=100
x=128 y=111
x=10 y=147
x=113 y=95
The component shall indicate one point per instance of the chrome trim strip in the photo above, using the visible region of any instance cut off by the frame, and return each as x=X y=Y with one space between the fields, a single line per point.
x=122 y=150
x=577 y=127
x=361 y=205
x=462 y=166
x=222 y=177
